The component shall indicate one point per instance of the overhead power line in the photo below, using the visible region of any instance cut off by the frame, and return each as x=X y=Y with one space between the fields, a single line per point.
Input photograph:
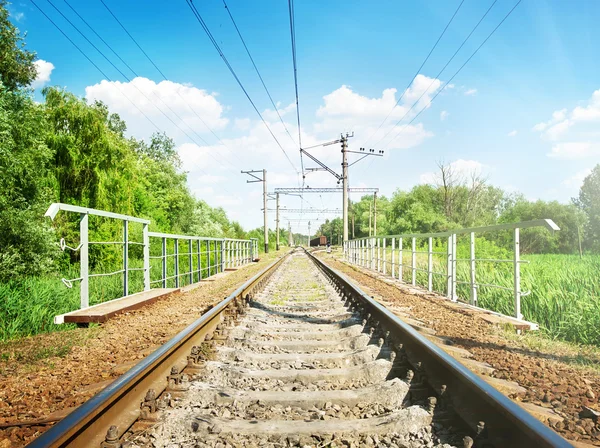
x=457 y=71
x=441 y=71
x=295 y=63
x=416 y=73
x=92 y=62
x=139 y=90
x=257 y=71
x=84 y=54
x=161 y=73
x=218 y=48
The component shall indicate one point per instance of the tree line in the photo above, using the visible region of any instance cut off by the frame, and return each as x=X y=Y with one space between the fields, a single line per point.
x=66 y=149
x=456 y=200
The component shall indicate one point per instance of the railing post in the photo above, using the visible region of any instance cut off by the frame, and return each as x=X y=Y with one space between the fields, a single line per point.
x=393 y=257
x=449 y=269
x=414 y=261
x=125 y=258
x=473 y=280
x=400 y=260
x=378 y=254
x=517 y=262
x=84 y=285
x=430 y=264
x=146 y=239
x=384 y=258
x=199 y=260
x=191 y=261
x=176 y=258
x=454 y=267
x=164 y=262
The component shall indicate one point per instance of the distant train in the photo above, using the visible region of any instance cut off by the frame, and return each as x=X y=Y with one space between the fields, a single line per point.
x=319 y=241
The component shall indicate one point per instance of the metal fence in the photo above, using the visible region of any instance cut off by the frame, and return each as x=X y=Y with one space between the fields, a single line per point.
x=201 y=258
x=386 y=254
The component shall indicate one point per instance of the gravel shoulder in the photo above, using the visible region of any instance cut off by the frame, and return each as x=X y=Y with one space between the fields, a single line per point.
x=47 y=375
x=557 y=376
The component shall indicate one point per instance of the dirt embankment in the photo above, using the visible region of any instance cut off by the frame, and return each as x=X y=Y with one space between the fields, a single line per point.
x=48 y=375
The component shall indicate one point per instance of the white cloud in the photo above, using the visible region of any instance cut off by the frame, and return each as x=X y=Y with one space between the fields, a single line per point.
x=345 y=110
x=243 y=124
x=576 y=180
x=471 y=92
x=271 y=115
x=574 y=150
x=589 y=113
x=186 y=101
x=574 y=133
x=444 y=114
x=18 y=16
x=210 y=179
x=461 y=168
x=512 y=133
x=44 y=70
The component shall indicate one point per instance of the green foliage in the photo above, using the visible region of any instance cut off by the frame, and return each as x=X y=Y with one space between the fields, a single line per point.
x=26 y=187
x=589 y=202
x=16 y=63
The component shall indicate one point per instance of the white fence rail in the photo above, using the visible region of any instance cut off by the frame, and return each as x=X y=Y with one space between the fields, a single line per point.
x=372 y=253
x=219 y=254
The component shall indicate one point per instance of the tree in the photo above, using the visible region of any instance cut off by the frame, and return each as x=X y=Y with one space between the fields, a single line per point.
x=589 y=202
x=26 y=187
x=537 y=239
x=16 y=63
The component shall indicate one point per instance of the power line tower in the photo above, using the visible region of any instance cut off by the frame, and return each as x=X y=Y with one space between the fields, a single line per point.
x=277 y=220
x=308 y=241
x=343 y=178
x=264 y=181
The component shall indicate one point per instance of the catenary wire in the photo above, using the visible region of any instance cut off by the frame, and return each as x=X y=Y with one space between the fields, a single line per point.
x=161 y=73
x=257 y=71
x=105 y=75
x=218 y=48
x=441 y=71
x=457 y=71
x=139 y=90
x=416 y=73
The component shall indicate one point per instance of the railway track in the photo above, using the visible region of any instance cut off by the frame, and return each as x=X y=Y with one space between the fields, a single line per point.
x=299 y=356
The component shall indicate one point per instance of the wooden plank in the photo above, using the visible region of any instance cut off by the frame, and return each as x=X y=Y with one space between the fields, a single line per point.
x=104 y=311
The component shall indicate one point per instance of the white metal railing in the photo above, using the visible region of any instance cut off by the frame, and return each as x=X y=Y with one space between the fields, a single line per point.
x=372 y=253
x=219 y=253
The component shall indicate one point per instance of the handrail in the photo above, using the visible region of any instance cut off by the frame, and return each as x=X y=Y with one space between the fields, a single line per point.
x=220 y=253
x=372 y=252
x=58 y=206
x=547 y=223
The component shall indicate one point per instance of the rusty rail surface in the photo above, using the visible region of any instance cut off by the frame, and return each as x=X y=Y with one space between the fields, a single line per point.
x=497 y=420
x=119 y=403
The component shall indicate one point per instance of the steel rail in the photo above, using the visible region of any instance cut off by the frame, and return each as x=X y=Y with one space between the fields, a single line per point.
x=119 y=403
x=506 y=423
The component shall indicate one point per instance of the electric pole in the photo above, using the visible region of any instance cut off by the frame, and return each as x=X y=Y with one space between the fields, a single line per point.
x=290 y=237
x=264 y=181
x=308 y=242
x=370 y=213
x=345 y=184
x=277 y=220
x=375 y=214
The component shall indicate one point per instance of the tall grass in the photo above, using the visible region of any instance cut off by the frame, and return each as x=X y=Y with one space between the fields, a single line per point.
x=564 y=296
x=28 y=306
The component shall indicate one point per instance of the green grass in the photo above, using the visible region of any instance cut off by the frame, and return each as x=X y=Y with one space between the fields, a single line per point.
x=565 y=289
x=28 y=306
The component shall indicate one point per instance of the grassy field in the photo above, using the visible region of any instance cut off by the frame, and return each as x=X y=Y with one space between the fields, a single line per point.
x=28 y=306
x=565 y=289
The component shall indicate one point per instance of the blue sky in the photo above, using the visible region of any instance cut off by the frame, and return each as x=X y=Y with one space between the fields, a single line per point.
x=522 y=112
